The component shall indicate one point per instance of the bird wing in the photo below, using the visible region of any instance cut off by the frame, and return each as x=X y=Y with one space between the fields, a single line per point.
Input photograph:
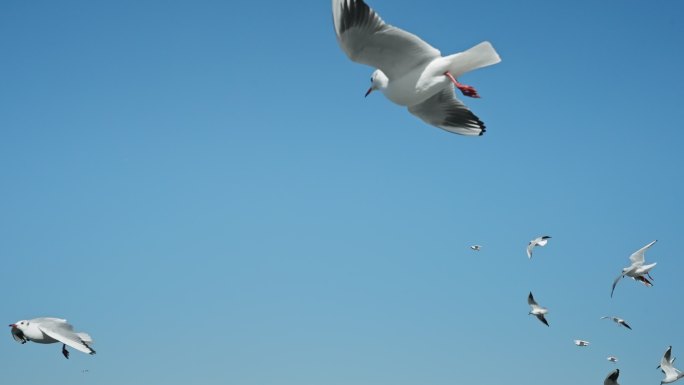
x=531 y=301
x=366 y=39
x=638 y=256
x=530 y=246
x=623 y=323
x=665 y=362
x=64 y=333
x=615 y=283
x=443 y=110
x=542 y=319
x=18 y=335
x=612 y=377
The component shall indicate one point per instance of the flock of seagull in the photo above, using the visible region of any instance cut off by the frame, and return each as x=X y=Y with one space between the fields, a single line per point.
x=411 y=73
x=638 y=271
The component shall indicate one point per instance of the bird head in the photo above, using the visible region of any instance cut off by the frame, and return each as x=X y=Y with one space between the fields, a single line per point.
x=379 y=81
x=20 y=325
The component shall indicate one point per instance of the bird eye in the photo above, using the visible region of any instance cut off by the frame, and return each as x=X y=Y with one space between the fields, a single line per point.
x=371 y=79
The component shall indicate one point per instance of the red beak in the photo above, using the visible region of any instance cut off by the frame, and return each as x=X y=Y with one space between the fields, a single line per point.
x=368 y=92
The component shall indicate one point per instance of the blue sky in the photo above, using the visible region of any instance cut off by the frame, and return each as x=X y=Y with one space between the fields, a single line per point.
x=203 y=188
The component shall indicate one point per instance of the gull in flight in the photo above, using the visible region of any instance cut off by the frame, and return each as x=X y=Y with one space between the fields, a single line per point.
x=612 y=359
x=637 y=270
x=50 y=330
x=618 y=321
x=410 y=72
x=672 y=374
x=475 y=247
x=537 y=310
x=581 y=343
x=612 y=378
x=539 y=241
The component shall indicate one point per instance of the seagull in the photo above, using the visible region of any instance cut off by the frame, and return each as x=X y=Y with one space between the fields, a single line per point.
x=618 y=321
x=475 y=247
x=612 y=359
x=409 y=71
x=537 y=310
x=637 y=269
x=672 y=374
x=47 y=330
x=539 y=241
x=581 y=343
x=612 y=378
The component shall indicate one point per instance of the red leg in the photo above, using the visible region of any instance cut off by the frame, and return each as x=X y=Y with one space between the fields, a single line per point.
x=466 y=90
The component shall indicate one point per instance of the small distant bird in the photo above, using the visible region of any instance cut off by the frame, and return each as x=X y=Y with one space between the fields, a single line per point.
x=411 y=72
x=47 y=330
x=672 y=374
x=84 y=371
x=475 y=247
x=612 y=359
x=612 y=378
x=581 y=343
x=637 y=270
x=537 y=310
x=618 y=321
x=539 y=241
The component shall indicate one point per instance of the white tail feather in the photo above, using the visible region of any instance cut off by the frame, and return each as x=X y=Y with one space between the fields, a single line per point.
x=479 y=56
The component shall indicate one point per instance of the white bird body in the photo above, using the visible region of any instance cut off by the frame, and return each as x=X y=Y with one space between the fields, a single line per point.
x=672 y=374
x=581 y=343
x=409 y=71
x=46 y=330
x=637 y=270
x=612 y=359
x=539 y=241
x=476 y=247
x=536 y=310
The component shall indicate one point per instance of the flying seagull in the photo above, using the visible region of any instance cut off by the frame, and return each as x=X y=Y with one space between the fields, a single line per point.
x=50 y=330
x=637 y=270
x=475 y=247
x=410 y=72
x=581 y=343
x=612 y=378
x=672 y=374
x=537 y=310
x=618 y=321
x=612 y=359
x=539 y=241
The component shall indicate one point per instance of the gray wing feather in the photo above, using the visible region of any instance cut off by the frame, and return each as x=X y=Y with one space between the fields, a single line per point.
x=443 y=110
x=367 y=39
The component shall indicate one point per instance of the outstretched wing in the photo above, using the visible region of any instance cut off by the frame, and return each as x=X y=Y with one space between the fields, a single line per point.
x=530 y=246
x=443 y=110
x=612 y=377
x=542 y=319
x=366 y=39
x=637 y=257
x=615 y=283
x=531 y=301
x=64 y=333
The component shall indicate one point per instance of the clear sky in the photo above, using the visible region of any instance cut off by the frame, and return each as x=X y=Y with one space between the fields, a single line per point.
x=202 y=187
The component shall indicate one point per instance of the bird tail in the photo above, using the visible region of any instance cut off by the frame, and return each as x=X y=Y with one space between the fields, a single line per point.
x=479 y=56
